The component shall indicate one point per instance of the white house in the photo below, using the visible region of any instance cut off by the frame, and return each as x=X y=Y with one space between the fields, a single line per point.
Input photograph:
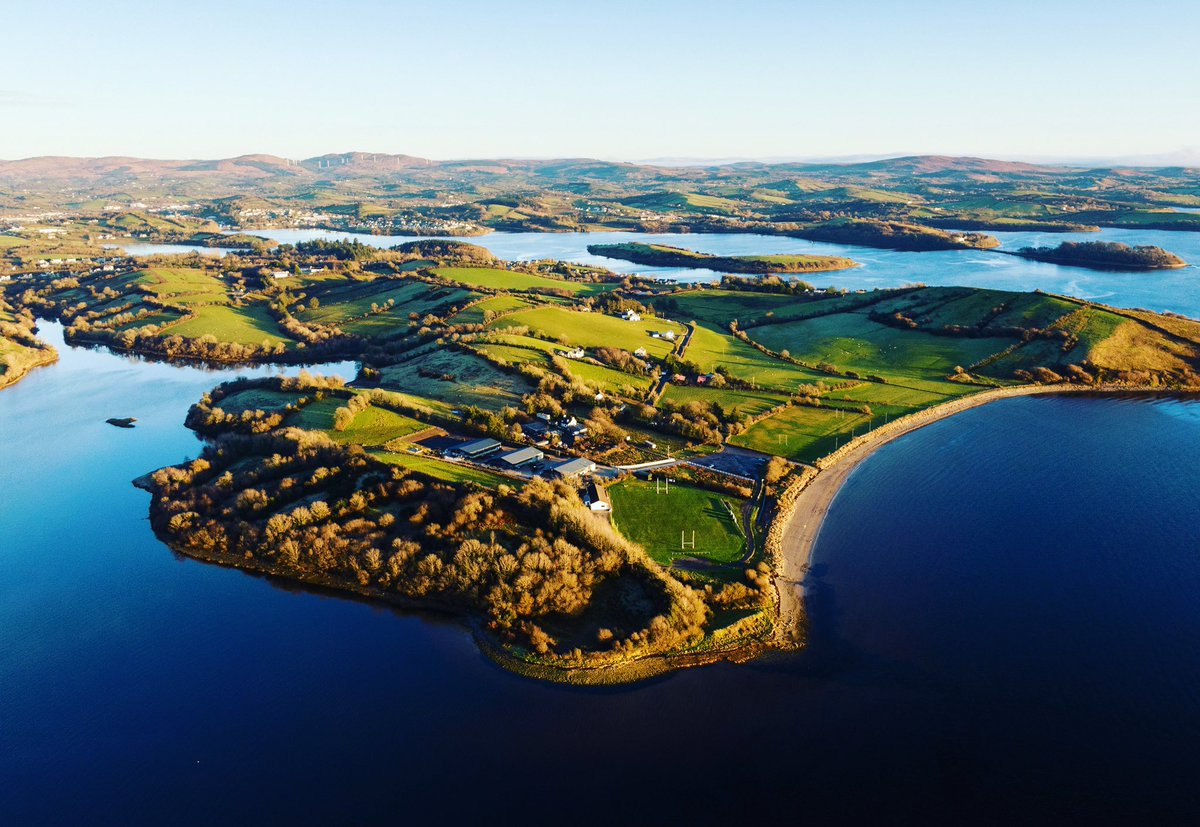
x=631 y=316
x=596 y=497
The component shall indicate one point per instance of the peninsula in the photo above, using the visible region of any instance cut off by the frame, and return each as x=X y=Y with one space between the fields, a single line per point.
x=545 y=448
x=662 y=255
x=606 y=476
x=895 y=235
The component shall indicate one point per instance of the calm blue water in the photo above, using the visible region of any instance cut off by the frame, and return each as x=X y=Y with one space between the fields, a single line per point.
x=1174 y=290
x=1004 y=622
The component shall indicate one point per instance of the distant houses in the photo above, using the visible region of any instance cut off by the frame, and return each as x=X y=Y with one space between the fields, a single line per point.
x=631 y=316
x=573 y=353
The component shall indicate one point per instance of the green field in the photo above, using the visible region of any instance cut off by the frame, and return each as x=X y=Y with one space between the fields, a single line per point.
x=525 y=349
x=723 y=306
x=349 y=306
x=851 y=341
x=441 y=470
x=183 y=286
x=654 y=520
x=257 y=399
x=802 y=433
x=595 y=329
x=752 y=403
x=475 y=314
x=710 y=348
x=470 y=380
x=497 y=279
x=375 y=426
x=242 y=325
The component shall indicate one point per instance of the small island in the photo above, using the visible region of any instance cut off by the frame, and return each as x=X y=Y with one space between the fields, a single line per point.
x=894 y=235
x=662 y=255
x=1104 y=255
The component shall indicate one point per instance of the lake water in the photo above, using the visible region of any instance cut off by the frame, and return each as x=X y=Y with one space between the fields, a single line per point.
x=1003 y=622
x=1174 y=290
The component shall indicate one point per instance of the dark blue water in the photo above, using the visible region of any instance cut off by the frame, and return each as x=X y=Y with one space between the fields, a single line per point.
x=1004 y=623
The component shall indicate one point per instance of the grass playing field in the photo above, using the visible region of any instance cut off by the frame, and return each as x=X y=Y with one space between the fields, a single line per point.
x=656 y=520
x=802 y=433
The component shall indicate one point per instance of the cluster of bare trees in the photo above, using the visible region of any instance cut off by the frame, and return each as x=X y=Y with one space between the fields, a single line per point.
x=530 y=563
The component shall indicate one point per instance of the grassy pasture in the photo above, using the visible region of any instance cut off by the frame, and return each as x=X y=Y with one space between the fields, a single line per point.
x=710 y=348
x=892 y=400
x=375 y=426
x=242 y=325
x=941 y=306
x=344 y=305
x=497 y=279
x=184 y=286
x=473 y=381
x=751 y=403
x=258 y=399
x=440 y=470
x=475 y=314
x=722 y=306
x=654 y=521
x=526 y=349
x=851 y=341
x=595 y=329
x=158 y=318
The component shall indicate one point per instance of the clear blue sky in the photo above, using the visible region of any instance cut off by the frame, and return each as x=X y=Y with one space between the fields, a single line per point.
x=613 y=79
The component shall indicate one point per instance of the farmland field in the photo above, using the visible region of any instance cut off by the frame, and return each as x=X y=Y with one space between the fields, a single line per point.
x=525 y=349
x=654 y=520
x=183 y=286
x=361 y=308
x=497 y=279
x=733 y=401
x=441 y=470
x=851 y=341
x=595 y=329
x=257 y=399
x=476 y=313
x=375 y=426
x=709 y=349
x=242 y=325
x=469 y=380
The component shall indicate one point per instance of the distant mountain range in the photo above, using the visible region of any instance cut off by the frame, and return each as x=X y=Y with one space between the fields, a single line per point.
x=49 y=171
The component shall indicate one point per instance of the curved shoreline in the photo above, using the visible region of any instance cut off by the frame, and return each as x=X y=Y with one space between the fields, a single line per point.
x=815 y=490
